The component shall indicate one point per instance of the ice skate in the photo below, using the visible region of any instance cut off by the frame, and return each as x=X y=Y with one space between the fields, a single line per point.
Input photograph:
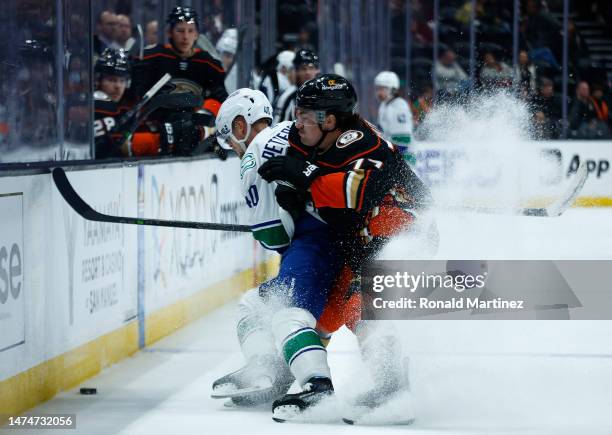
x=292 y=406
x=260 y=381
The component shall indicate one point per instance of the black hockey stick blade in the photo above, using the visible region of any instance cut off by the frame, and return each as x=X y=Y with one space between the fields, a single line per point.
x=564 y=201
x=84 y=210
x=556 y=208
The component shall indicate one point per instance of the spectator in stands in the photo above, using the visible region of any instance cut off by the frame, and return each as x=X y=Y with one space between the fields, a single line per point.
x=495 y=74
x=464 y=13
x=584 y=120
x=526 y=75
x=601 y=106
x=547 y=108
x=543 y=127
x=124 y=32
x=421 y=32
x=106 y=30
x=305 y=37
x=150 y=34
x=450 y=78
x=422 y=105
x=543 y=32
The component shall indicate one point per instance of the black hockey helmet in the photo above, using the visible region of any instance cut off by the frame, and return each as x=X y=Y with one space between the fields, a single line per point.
x=327 y=93
x=35 y=49
x=113 y=63
x=305 y=57
x=182 y=14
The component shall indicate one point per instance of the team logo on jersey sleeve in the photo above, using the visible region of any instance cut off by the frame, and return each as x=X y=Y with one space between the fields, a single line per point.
x=248 y=162
x=348 y=138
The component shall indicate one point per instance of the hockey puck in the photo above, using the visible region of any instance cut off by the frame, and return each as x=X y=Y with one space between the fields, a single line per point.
x=88 y=391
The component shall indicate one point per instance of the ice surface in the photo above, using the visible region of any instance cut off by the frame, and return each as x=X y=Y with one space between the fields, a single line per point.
x=495 y=377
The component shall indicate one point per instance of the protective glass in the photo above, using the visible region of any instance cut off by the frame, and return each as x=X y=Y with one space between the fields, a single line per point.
x=305 y=117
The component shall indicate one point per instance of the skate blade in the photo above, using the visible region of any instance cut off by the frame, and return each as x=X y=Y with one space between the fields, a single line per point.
x=326 y=411
x=365 y=421
x=226 y=393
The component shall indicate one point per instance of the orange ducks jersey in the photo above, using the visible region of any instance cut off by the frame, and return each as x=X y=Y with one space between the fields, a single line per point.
x=366 y=188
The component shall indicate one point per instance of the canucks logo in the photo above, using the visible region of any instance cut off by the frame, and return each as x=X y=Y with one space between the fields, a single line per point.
x=248 y=162
x=225 y=130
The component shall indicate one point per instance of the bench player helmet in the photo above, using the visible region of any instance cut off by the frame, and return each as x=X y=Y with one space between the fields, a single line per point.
x=182 y=14
x=305 y=57
x=387 y=79
x=113 y=63
x=251 y=104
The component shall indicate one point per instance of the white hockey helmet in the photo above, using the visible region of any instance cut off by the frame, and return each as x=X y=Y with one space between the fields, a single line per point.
x=387 y=79
x=285 y=59
x=228 y=43
x=251 y=104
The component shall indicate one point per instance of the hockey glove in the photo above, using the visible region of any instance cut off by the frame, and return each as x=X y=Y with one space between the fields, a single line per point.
x=179 y=137
x=300 y=173
x=292 y=200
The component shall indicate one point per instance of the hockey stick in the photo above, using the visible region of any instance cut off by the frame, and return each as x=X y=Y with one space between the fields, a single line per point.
x=83 y=209
x=556 y=208
x=133 y=112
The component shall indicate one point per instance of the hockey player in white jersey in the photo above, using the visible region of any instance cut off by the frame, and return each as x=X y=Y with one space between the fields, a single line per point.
x=309 y=264
x=394 y=114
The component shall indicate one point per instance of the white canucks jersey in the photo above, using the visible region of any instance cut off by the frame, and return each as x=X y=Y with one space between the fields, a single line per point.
x=395 y=121
x=270 y=224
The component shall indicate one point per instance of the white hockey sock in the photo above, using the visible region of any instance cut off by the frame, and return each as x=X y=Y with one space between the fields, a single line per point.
x=382 y=353
x=254 y=334
x=299 y=344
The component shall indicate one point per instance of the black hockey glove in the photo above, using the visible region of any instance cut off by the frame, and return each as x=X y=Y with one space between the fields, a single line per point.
x=179 y=137
x=291 y=199
x=300 y=173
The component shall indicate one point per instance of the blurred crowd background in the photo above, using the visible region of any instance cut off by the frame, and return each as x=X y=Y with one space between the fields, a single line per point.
x=555 y=55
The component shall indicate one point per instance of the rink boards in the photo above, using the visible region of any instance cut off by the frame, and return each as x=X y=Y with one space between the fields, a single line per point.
x=525 y=174
x=77 y=296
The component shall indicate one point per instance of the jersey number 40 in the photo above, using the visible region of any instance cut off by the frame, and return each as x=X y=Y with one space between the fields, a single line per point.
x=253 y=197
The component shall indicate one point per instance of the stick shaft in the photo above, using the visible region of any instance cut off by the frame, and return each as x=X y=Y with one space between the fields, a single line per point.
x=83 y=209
